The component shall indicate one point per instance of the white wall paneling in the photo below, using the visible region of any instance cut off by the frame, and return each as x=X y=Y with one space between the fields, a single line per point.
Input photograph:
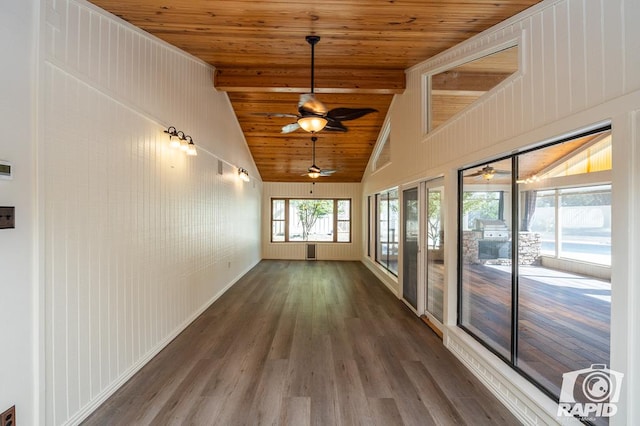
x=324 y=251
x=19 y=302
x=138 y=238
x=579 y=65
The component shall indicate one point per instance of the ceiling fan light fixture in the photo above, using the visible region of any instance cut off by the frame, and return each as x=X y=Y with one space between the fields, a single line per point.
x=312 y=123
x=314 y=175
x=488 y=173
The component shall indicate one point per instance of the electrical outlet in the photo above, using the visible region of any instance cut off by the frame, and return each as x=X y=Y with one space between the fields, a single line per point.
x=7 y=217
x=8 y=418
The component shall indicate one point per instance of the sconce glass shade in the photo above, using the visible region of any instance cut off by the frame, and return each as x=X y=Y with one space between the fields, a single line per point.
x=174 y=137
x=243 y=174
x=312 y=123
x=184 y=143
x=192 y=149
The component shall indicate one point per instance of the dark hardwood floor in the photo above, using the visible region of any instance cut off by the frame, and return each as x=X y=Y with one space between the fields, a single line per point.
x=301 y=343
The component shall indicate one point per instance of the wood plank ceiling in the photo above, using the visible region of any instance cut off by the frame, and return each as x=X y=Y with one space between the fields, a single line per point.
x=263 y=61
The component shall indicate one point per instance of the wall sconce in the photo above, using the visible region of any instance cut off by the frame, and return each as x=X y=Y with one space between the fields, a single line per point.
x=178 y=144
x=191 y=147
x=243 y=174
x=174 y=137
x=184 y=143
x=177 y=139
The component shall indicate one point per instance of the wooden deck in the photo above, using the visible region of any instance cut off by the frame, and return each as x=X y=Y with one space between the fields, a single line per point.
x=301 y=343
x=564 y=319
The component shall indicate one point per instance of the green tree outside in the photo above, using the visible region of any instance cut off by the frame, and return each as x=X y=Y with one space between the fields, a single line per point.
x=309 y=211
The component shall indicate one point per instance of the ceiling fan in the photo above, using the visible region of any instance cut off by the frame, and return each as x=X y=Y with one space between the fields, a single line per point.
x=312 y=115
x=488 y=173
x=314 y=171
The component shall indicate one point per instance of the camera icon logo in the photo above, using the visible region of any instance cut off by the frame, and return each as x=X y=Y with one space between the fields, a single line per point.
x=590 y=392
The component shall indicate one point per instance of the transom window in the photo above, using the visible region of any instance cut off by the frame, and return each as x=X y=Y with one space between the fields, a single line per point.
x=316 y=220
x=453 y=90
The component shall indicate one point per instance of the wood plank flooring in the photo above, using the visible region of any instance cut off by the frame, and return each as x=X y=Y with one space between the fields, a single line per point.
x=304 y=343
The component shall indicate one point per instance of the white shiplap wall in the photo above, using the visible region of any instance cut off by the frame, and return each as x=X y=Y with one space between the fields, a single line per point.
x=138 y=238
x=18 y=292
x=324 y=251
x=580 y=65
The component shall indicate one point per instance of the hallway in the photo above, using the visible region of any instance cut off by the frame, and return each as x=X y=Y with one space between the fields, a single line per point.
x=300 y=343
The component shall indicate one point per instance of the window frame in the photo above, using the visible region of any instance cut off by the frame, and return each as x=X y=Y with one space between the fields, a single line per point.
x=378 y=198
x=512 y=359
x=427 y=86
x=287 y=220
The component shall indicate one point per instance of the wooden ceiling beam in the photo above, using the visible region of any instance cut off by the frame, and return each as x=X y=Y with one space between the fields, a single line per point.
x=296 y=80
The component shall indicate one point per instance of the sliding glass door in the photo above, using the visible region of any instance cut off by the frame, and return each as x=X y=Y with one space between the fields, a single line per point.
x=410 y=246
x=434 y=245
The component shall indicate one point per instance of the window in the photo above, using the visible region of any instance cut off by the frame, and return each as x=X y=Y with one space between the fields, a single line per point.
x=388 y=230
x=316 y=220
x=382 y=153
x=344 y=221
x=534 y=280
x=278 y=222
x=369 y=224
x=482 y=205
x=575 y=223
x=486 y=297
x=455 y=89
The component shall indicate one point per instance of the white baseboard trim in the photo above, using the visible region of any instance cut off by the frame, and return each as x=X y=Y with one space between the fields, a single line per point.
x=523 y=399
x=381 y=274
x=88 y=409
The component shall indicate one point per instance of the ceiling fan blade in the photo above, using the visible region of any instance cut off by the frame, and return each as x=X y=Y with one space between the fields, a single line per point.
x=334 y=126
x=346 y=114
x=314 y=169
x=309 y=104
x=328 y=172
x=274 y=114
x=290 y=127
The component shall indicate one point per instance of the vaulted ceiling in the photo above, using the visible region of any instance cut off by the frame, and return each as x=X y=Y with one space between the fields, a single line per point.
x=263 y=61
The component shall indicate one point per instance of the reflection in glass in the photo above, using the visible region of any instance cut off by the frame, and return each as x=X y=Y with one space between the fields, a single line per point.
x=388 y=227
x=455 y=89
x=585 y=224
x=563 y=258
x=410 y=247
x=563 y=315
x=435 y=252
x=486 y=254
